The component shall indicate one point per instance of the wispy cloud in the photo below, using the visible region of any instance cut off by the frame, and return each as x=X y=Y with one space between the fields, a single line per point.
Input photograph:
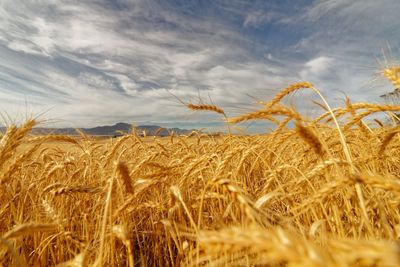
x=96 y=62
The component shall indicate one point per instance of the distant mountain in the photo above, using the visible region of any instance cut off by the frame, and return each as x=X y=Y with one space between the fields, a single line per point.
x=113 y=130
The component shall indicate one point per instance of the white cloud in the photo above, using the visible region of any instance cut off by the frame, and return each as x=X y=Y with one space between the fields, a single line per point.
x=316 y=67
x=257 y=18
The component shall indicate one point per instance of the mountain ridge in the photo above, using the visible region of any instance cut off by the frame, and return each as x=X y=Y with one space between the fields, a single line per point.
x=110 y=130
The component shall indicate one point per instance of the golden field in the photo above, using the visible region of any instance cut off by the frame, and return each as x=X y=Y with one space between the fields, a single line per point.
x=325 y=192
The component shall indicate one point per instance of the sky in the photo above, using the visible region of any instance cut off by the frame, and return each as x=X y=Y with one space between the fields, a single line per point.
x=98 y=62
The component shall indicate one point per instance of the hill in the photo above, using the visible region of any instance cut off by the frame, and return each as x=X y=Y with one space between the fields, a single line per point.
x=110 y=130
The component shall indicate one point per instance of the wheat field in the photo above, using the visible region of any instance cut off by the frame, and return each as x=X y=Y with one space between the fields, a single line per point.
x=320 y=191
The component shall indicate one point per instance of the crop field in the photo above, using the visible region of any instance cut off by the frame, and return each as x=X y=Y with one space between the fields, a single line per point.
x=316 y=191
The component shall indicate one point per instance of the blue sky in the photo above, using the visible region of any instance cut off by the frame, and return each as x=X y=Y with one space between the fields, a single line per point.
x=94 y=62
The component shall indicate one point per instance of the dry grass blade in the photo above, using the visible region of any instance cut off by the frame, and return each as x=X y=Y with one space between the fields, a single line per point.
x=123 y=173
x=393 y=75
x=386 y=140
x=59 y=138
x=28 y=228
x=76 y=189
x=310 y=137
x=20 y=261
x=13 y=138
x=121 y=233
x=13 y=167
x=268 y=247
x=267 y=114
x=206 y=107
x=288 y=90
x=80 y=260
